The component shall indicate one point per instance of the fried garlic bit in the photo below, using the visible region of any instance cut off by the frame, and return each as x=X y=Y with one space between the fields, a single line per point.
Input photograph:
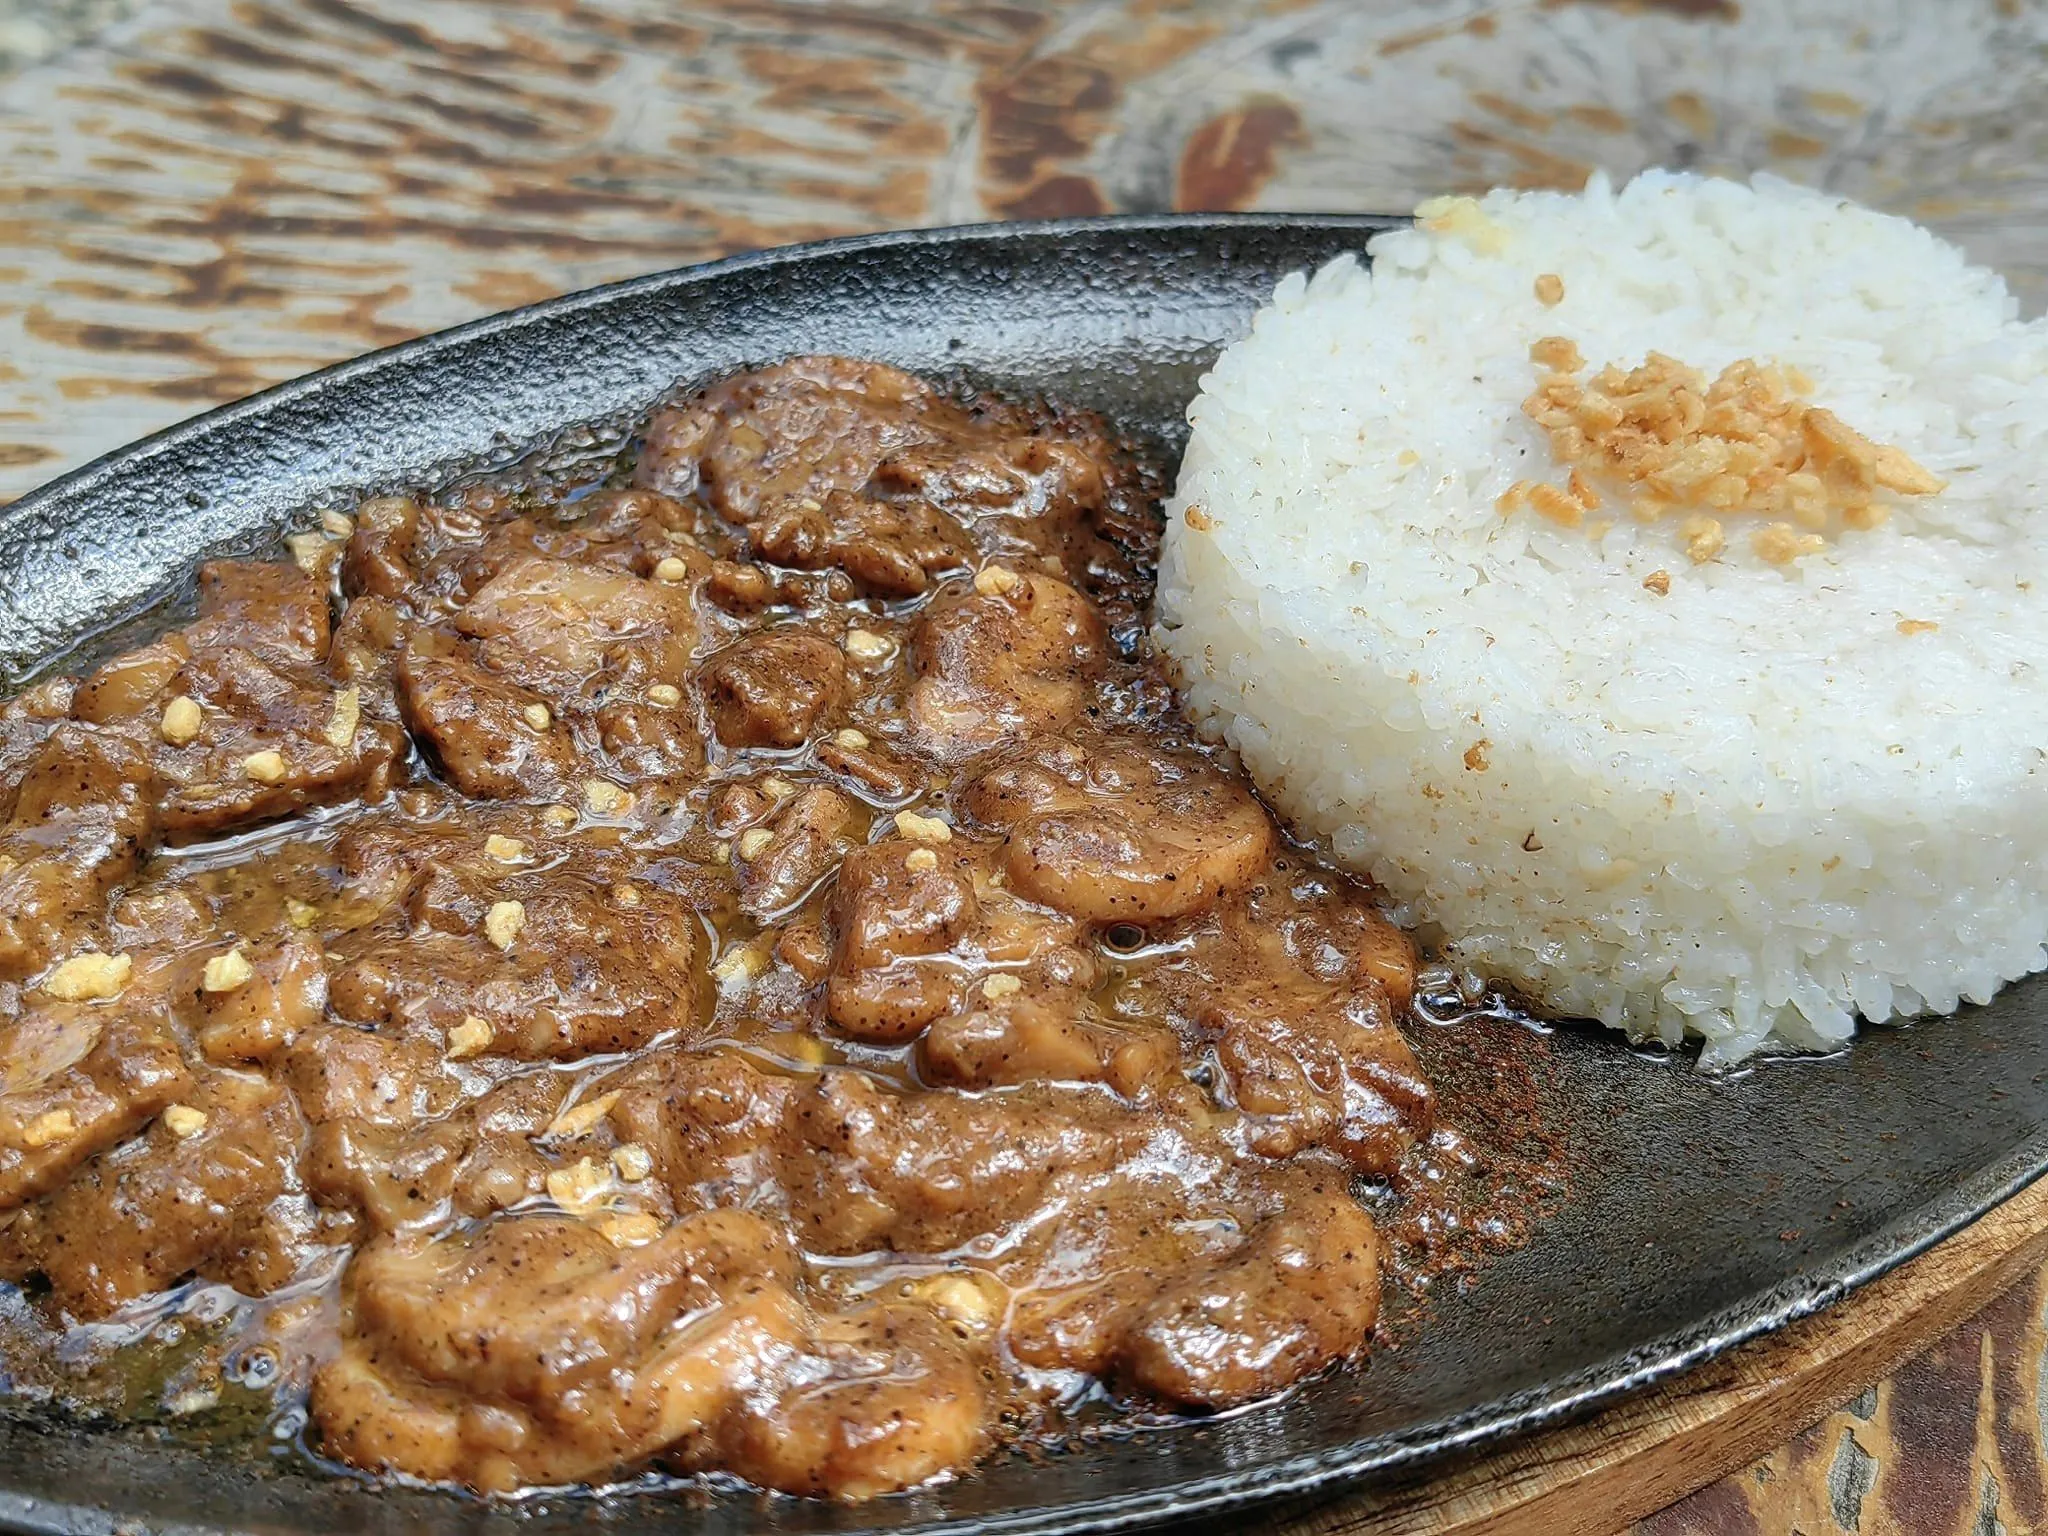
x=89 y=977
x=472 y=1037
x=1463 y=219
x=1666 y=441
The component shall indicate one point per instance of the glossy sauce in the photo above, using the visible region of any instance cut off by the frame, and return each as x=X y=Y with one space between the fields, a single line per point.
x=735 y=968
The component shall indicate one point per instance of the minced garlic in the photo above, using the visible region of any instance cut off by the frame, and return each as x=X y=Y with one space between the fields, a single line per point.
x=581 y=1183
x=962 y=1298
x=1665 y=440
x=184 y=1122
x=1464 y=220
x=225 y=972
x=348 y=714
x=923 y=829
x=90 y=977
x=632 y=1162
x=996 y=580
x=1704 y=538
x=49 y=1128
x=1781 y=543
x=631 y=1229
x=866 y=645
x=472 y=1037
x=601 y=797
x=503 y=922
x=182 y=721
x=738 y=966
x=582 y=1119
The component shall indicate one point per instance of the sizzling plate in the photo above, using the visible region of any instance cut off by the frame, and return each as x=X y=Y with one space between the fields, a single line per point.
x=1700 y=1211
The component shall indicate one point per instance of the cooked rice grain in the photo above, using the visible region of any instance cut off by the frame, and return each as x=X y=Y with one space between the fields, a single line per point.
x=1721 y=796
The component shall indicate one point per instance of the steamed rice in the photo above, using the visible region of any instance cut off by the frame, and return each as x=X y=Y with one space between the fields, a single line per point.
x=1749 y=806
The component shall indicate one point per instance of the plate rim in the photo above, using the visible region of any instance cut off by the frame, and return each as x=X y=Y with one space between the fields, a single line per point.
x=1547 y=1405
x=82 y=477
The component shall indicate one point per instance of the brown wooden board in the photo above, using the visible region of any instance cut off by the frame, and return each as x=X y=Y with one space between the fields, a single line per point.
x=214 y=195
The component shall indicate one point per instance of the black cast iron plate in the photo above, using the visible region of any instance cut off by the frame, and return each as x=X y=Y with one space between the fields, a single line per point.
x=1700 y=1211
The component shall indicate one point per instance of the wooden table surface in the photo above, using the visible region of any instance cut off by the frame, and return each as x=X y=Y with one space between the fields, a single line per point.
x=202 y=197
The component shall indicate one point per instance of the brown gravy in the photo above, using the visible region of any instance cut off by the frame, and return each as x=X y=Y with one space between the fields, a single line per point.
x=741 y=970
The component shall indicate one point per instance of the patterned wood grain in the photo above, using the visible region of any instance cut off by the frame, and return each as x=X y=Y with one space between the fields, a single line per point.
x=202 y=197
x=1953 y=1443
x=213 y=195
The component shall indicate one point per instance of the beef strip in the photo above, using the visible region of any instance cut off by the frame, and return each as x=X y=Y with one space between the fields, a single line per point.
x=769 y=988
x=80 y=817
x=76 y=1079
x=192 y=1194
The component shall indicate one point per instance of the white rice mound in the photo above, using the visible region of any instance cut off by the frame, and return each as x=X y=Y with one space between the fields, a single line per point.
x=1749 y=810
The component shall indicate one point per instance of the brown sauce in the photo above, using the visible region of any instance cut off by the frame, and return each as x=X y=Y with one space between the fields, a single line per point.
x=739 y=969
